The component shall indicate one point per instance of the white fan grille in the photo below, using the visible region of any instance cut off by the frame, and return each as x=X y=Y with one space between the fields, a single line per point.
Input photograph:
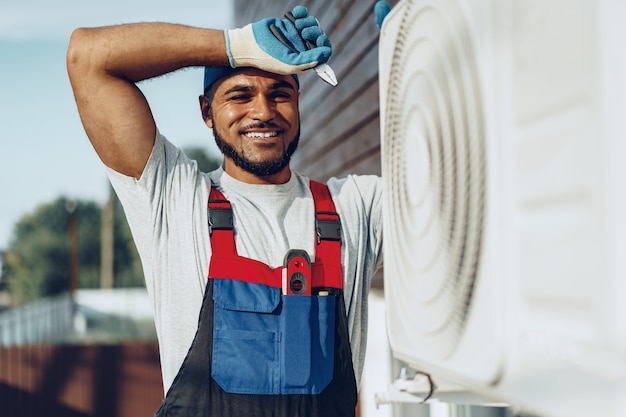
x=435 y=172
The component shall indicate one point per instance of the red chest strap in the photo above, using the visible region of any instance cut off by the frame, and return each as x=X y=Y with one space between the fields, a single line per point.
x=226 y=263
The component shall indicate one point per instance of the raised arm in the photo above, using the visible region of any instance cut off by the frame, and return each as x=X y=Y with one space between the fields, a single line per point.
x=105 y=63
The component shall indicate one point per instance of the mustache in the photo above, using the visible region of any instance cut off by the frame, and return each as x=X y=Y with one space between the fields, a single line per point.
x=263 y=125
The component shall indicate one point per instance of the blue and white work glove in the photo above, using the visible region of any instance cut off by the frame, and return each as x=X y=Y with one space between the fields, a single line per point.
x=254 y=45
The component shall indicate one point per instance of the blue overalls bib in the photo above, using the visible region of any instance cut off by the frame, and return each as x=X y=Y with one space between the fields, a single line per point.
x=259 y=352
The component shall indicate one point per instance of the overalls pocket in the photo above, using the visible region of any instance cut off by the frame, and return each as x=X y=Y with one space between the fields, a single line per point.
x=245 y=337
x=268 y=343
x=308 y=341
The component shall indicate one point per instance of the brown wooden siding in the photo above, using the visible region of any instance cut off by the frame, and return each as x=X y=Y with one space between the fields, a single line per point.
x=340 y=125
x=80 y=381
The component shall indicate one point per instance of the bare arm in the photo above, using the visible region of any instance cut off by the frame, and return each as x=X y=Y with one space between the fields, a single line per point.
x=105 y=63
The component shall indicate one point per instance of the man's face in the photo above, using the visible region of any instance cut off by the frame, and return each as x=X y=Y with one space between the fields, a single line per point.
x=255 y=121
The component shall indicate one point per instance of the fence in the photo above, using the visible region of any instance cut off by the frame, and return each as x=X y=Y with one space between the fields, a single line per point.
x=48 y=320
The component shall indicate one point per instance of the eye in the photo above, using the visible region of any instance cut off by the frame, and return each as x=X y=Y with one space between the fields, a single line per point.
x=281 y=96
x=239 y=98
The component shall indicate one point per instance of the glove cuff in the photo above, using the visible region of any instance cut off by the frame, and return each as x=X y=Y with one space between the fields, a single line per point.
x=243 y=51
x=227 y=36
x=240 y=45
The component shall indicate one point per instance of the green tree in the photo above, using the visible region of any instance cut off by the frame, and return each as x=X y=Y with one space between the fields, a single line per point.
x=127 y=267
x=38 y=262
x=3 y=272
x=206 y=162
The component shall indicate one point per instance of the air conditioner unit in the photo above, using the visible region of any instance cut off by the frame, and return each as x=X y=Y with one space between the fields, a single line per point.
x=503 y=126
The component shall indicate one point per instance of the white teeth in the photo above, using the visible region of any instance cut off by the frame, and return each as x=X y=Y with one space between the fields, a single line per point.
x=261 y=135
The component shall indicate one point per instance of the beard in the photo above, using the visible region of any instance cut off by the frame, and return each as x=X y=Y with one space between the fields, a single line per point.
x=260 y=169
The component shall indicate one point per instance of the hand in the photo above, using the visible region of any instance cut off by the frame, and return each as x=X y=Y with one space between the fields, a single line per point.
x=381 y=10
x=255 y=45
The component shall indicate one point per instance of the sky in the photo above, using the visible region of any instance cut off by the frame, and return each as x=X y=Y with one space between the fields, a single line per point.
x=44 y=152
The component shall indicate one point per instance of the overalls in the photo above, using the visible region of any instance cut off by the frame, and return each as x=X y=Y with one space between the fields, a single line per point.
x=259 y=352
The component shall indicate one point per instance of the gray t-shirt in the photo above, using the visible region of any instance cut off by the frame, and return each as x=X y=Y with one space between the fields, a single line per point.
x=167 y=212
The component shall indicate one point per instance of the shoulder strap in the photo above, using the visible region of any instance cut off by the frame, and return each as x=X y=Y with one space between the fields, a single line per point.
x=328 y=229
x=327 y=223
x=220 y=219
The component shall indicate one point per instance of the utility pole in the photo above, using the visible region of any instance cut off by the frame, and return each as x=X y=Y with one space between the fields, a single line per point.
x=72 y=227
x=106 y=251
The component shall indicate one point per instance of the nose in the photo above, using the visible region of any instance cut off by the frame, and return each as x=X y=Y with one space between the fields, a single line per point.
x=262 y=108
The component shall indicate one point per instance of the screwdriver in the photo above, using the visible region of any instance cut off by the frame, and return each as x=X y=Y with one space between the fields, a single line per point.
x=324 y=71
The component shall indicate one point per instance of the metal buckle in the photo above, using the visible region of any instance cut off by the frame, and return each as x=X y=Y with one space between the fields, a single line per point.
x=220 y=218
x=327 y=229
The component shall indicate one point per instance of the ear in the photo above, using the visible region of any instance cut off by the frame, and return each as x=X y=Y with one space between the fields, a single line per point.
x=205 y=108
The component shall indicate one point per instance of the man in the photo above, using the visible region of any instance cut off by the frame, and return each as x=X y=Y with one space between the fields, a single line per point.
x=234 y=339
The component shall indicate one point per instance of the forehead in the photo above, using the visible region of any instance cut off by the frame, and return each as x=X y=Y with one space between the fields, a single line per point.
x=255 y=79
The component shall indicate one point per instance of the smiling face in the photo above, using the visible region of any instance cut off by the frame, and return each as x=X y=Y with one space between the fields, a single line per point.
x=255 y=121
